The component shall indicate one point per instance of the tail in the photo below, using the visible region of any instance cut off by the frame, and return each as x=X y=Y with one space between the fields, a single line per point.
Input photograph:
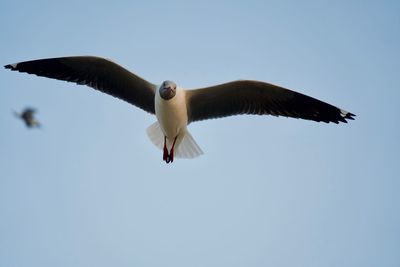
x=187 y=148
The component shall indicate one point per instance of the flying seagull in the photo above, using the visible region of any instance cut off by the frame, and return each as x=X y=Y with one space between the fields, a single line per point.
x=28 y=116
x=176 y=107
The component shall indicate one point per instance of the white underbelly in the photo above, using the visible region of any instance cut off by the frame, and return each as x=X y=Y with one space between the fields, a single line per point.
x=172 y=115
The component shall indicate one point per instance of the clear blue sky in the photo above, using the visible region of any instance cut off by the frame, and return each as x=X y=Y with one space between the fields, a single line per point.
x=90 y=189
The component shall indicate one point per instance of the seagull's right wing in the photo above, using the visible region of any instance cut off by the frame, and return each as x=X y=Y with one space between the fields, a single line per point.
x=254 y=97
x=99 y=73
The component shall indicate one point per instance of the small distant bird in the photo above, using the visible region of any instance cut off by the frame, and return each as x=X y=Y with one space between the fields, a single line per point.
x=176 y=107
x=28 y=117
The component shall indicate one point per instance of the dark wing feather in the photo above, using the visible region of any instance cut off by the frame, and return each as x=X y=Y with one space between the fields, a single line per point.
x=99 y=73
x=253 y=97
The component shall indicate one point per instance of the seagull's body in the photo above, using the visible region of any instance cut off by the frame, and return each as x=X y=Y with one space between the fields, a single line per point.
x=172 y=116
x=28 y=116
x=176 y=107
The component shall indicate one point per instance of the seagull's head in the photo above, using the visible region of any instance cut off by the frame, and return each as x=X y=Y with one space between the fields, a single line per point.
x=167 y=90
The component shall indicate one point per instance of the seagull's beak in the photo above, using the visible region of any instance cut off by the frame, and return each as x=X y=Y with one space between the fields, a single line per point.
x=168 y=89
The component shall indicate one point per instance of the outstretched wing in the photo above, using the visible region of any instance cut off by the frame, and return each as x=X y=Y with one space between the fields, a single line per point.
x=98 y=73
x=254 y=97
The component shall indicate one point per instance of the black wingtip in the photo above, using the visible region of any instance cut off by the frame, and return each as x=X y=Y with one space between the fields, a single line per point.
x=9 y=66
x=345 y=115
x=350 y=116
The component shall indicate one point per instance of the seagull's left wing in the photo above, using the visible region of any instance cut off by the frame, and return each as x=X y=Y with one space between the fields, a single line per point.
x=254 y=97
x=96 y=72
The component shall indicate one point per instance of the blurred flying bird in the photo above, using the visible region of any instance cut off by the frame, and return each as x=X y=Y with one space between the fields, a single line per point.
x=176 y=107
x=28 y=116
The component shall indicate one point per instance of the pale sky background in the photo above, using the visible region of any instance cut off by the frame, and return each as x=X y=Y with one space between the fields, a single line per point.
x=90 y=189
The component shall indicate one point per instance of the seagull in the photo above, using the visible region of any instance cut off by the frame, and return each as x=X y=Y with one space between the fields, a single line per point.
x=176 y=107
x=28 y=117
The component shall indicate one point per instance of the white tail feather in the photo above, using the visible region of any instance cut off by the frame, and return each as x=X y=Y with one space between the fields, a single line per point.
x=187 y=148
x=156 y=135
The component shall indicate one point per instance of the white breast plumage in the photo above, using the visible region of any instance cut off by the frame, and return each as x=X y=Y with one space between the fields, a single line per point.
x=172 y=114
